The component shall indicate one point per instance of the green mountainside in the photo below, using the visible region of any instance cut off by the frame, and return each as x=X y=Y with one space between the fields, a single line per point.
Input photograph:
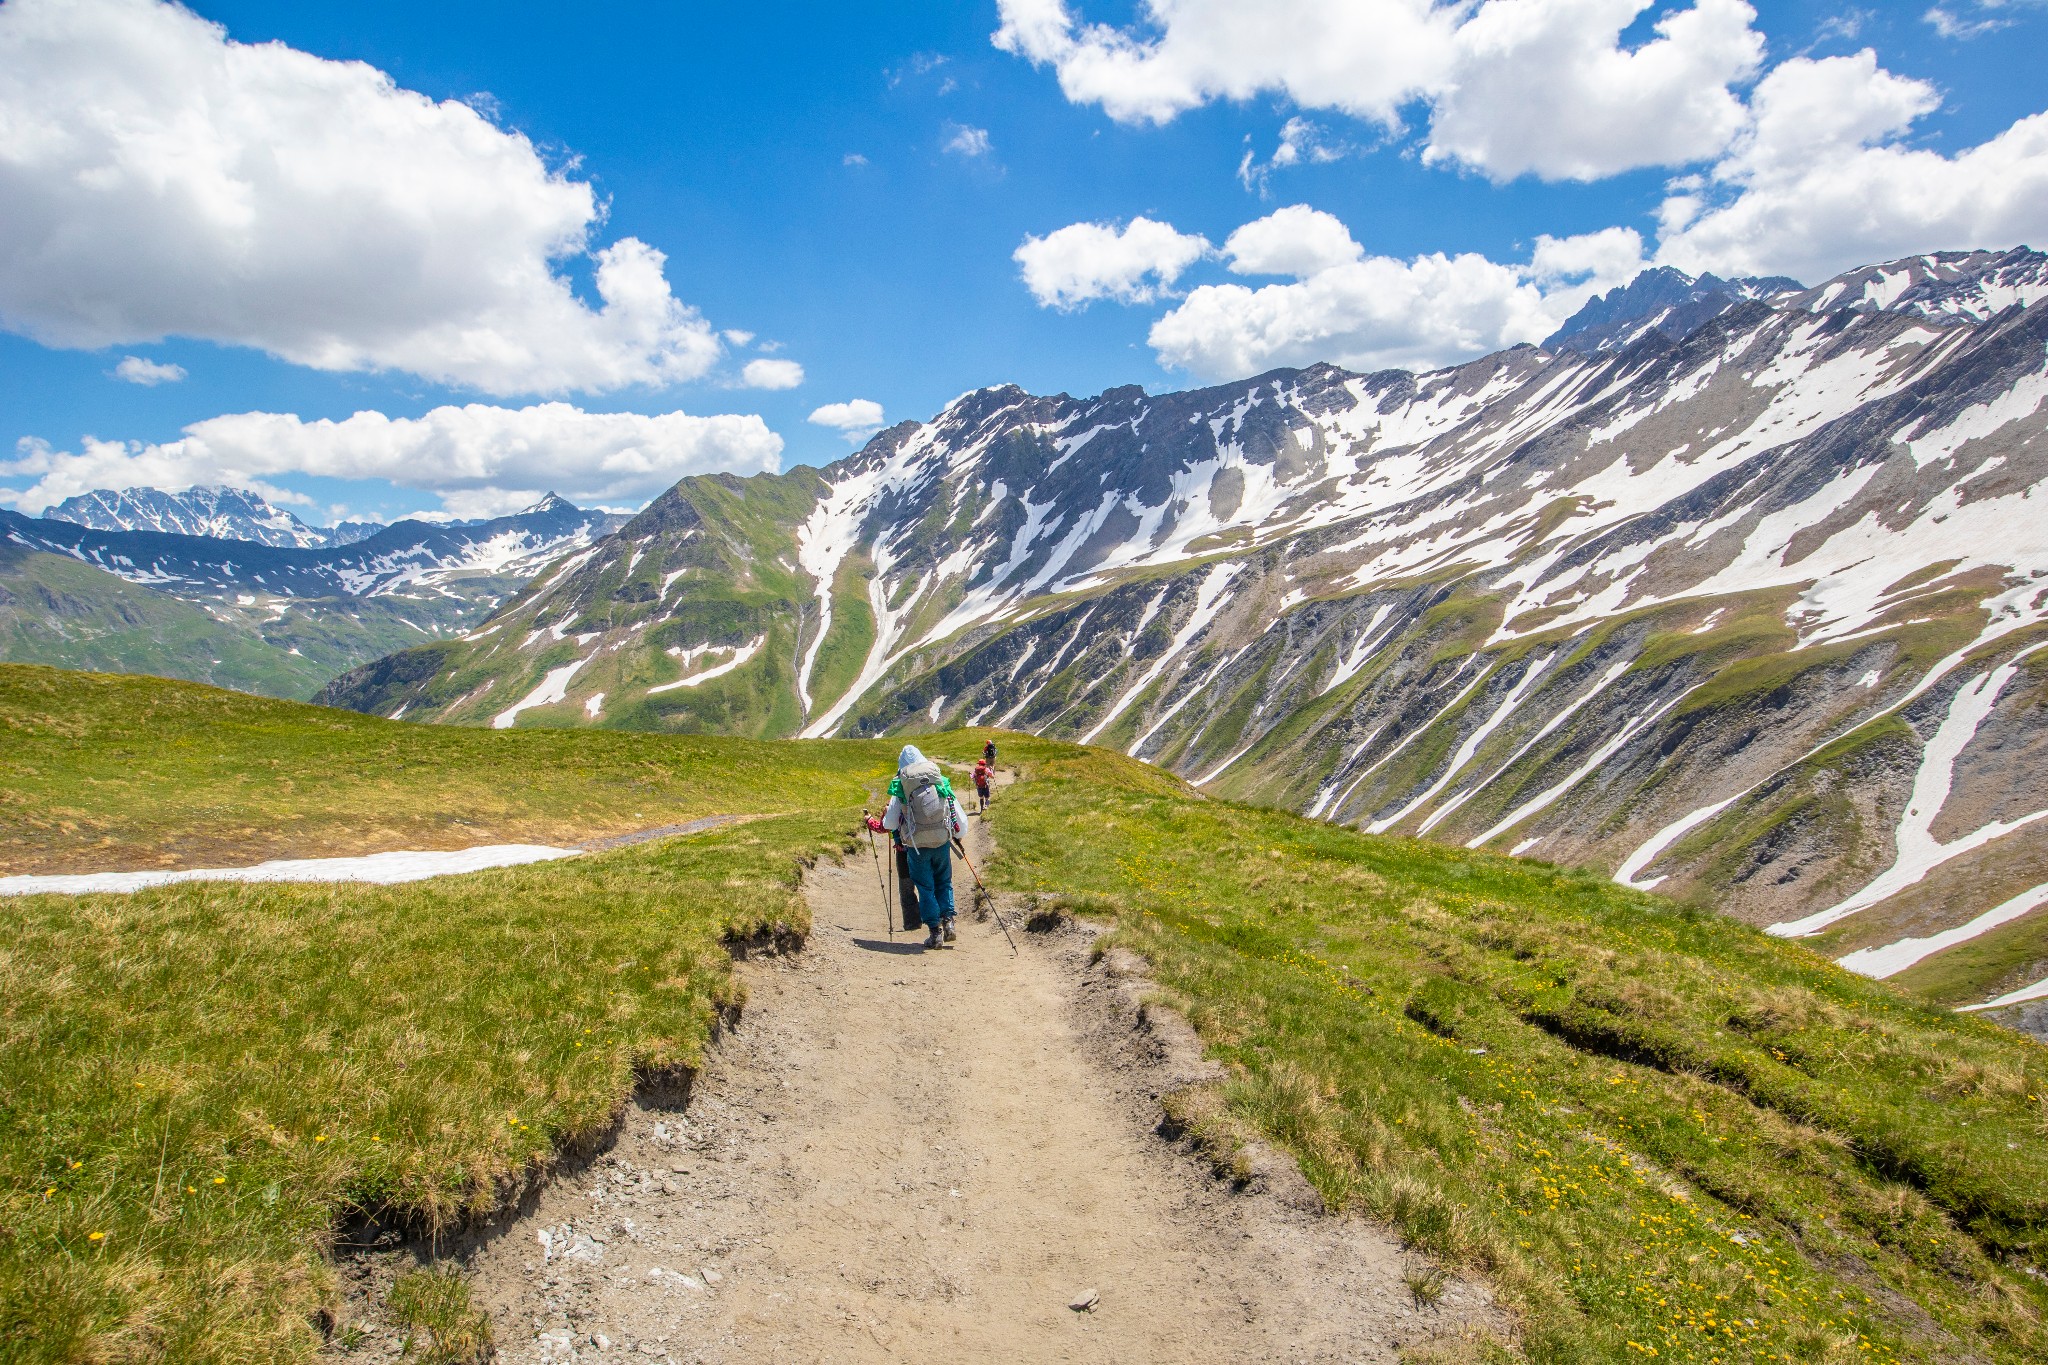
x=1754 y=614
x=56 y=610
x=701 y=586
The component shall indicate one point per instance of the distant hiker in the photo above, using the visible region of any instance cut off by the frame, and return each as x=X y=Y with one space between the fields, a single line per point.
x=984 y=778
x=988 y=755
x=924 y=814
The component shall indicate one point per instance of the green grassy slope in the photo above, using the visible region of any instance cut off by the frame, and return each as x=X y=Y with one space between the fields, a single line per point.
x=203 y=1081
x=106 y=772
x=55 y=610
x=1660 y=1132
x=1656 y=1130
x=710 y=561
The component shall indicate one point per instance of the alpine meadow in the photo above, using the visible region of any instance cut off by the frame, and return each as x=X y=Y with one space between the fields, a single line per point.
x=1345 y=682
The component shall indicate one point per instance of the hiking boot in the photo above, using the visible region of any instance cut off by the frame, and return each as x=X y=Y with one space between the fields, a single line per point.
x=932 y=940
x=946 y=927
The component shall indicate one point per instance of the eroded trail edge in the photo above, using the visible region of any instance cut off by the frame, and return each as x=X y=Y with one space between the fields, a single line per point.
x=911 y=1155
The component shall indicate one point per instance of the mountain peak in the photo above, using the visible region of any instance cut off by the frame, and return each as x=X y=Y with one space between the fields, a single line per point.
x=212 y=510
x=1663 y=298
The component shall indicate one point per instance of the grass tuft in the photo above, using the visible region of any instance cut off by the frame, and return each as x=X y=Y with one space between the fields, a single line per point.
x=446 y=1327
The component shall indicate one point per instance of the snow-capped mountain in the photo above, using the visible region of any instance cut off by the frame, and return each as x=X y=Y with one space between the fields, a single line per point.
x=1665 y=300
x=1756 y=614
x=217 y=513
x=282 y=619
x=411 y=556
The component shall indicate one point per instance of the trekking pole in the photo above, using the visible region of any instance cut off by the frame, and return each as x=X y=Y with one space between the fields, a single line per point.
x=994 y=909
x=888 y=910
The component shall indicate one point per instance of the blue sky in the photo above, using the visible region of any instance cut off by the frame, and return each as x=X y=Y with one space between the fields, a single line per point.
x=848 y=184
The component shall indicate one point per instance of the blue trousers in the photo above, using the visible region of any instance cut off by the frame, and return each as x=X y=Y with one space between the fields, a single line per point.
x=931 y=872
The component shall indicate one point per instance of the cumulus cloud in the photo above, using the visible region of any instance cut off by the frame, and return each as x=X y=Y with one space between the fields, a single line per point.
x=1296 y=240
x=1364 y=57
x=1543 y=87
x=1512 y=86
x=1818 y=183
x=967 y=141
x=1083 y=262
x=160 y=179
x=137 y=369
x=856 y=419
x=772 y=374
x=1379 y=312
x=472 y=456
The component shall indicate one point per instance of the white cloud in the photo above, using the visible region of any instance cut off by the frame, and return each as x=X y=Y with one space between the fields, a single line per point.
x=1341 y=306
x=1364 y=57
x=771 y=374
x=1817 y=185
x=1082 y=262
x=1378 y=312
x=1543 y=87
x=148 y=373
x=967 y=141
x=856 y=419
x=472 y=456
x=853 y=159
x=1300 y=141
x=734 y=336
x=162 y=180
x=1515 y=86
x=1296 y=240
x=1949 y=24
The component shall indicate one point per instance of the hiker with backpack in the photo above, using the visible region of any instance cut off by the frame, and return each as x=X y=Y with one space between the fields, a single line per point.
x=924 y=814
x=984 y=778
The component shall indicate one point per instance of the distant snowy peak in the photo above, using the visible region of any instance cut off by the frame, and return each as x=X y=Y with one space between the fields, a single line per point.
x=213 y=512
x=551 y=504
x=1665 y=300
x=411 y=556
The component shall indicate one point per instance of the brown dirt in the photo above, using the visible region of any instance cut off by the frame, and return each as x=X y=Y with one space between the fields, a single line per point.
x=904 y=1155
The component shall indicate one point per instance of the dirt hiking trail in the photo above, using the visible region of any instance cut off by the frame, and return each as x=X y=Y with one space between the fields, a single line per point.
x=903 y=1155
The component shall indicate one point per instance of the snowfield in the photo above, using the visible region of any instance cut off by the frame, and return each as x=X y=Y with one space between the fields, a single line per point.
x=382 y=869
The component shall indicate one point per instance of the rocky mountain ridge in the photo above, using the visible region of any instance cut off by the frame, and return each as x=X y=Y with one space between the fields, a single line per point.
x=409 y=556
x=1664 y=299
x=280 y=619
x=1756 y=614
x=217 y=513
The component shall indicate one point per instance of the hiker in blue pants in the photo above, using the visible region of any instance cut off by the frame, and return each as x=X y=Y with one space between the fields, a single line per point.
x=924 y=814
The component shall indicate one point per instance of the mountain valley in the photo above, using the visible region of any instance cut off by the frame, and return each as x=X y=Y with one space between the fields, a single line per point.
x=1750 y=610
x=247 y=596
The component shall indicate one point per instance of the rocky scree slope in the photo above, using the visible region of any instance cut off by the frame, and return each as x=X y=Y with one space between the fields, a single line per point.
x=278 y=619
x=1753 y=607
